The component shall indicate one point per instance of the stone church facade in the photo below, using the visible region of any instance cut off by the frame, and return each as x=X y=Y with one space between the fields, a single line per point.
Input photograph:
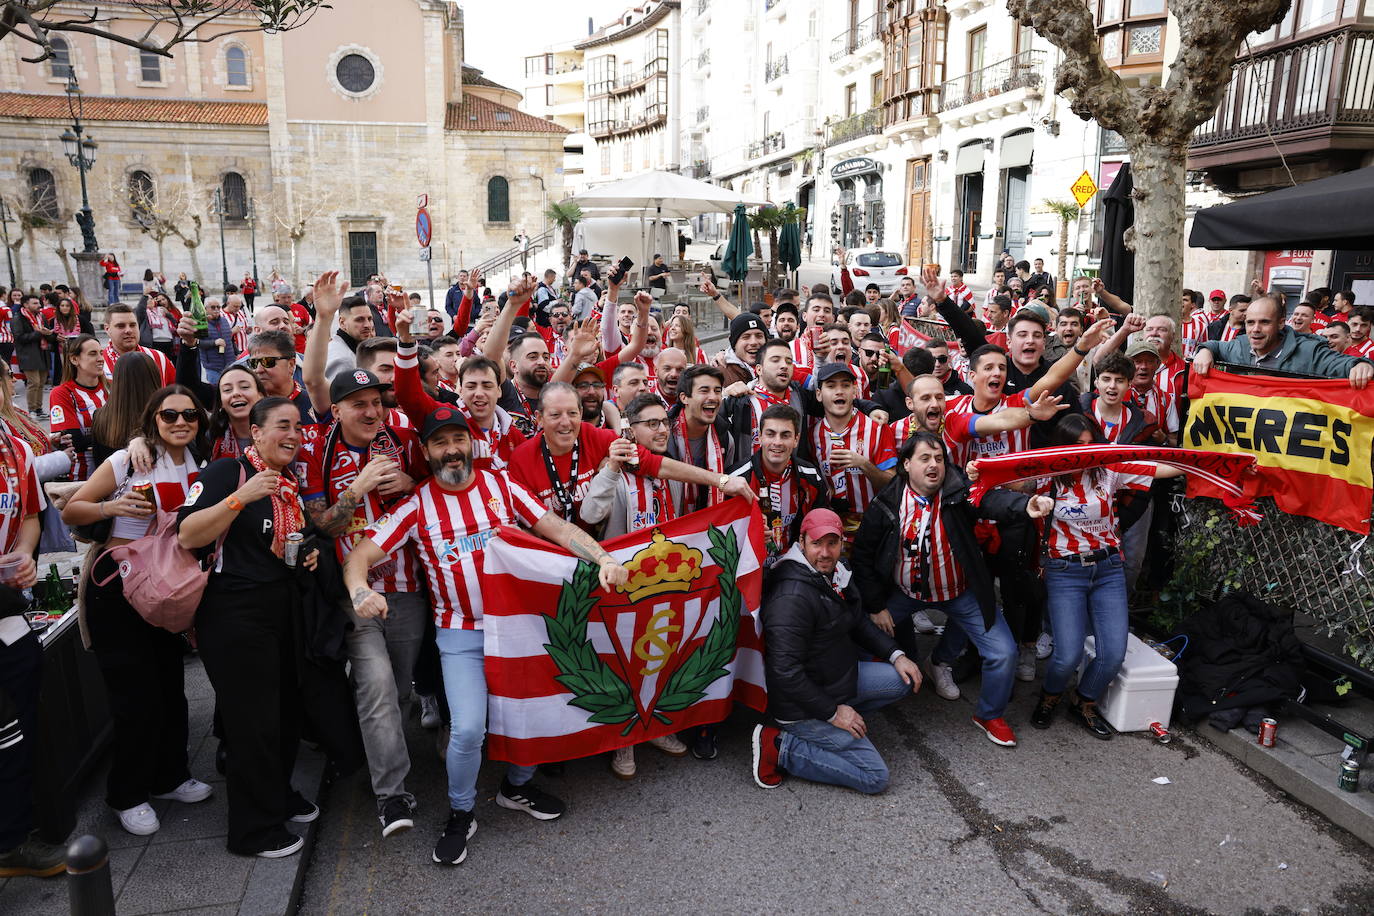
x=318 y=140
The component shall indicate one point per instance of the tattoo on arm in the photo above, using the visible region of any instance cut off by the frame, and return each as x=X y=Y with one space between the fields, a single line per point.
x=332 y=519
x=584 y=545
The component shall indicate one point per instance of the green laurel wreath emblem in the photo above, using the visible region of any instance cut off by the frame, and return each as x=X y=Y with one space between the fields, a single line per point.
x=604 y=694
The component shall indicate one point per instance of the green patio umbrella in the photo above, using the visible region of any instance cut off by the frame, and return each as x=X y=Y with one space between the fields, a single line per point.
x=789 y=242
x=735 y=263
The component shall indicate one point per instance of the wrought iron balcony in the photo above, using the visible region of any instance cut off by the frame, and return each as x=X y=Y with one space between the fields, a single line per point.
x=860 y=125
x=769 y=144
x=775 y=68
x=704 y=59
x=1021 y=71
x=850 y=40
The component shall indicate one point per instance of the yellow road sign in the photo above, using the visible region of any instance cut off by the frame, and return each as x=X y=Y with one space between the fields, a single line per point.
x=1083 y=189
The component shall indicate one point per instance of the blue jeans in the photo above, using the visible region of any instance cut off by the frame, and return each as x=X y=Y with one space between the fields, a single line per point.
x=995 y=645
x=1079 y=597
x=461 y=657
x=111 y=290
x=821 y=752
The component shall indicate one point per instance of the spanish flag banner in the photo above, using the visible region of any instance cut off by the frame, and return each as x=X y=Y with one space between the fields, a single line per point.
x=1310 y=438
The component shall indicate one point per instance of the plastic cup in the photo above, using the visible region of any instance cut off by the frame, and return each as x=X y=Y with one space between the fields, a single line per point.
x=9 y=569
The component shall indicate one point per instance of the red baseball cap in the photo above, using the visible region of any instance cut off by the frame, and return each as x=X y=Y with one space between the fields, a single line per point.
x=1218 y=294
x=820 y=522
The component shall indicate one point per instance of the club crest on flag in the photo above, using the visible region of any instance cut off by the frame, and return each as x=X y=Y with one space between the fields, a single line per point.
x=654 y=621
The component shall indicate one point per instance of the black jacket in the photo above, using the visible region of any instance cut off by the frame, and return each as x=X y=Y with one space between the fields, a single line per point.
x=813 y=486
x=812 y=640
x=1242 y=653
x=739 y=412
x=1136 y=429
x=879 y=539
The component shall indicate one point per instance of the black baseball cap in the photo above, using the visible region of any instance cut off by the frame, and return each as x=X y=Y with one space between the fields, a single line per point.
x=354 y=380
x=441 y=417
x=830 y=370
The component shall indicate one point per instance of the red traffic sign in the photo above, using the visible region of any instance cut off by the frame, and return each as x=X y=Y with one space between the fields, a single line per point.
x=423 y=229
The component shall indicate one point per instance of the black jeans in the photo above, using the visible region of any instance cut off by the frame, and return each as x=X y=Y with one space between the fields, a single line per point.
x=247 y=643
x=1021 y=589
x=21 y=676
x=145 y=678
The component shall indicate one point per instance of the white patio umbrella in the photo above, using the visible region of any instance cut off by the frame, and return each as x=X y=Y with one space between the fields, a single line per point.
x=661 y=195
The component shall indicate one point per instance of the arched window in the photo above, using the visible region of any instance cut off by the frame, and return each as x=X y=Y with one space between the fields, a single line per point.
x=61 y=60
x=150 y=67
x=234 y=193
x=498 y=200
x=236 y=66
x=142 y=195
x=43 y=194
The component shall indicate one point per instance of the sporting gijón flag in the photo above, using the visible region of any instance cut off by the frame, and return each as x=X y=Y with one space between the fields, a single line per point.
x=574 y=671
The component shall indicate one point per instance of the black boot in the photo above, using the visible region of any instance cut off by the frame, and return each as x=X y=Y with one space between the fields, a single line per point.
x=1044 y=709
x=1086 y=712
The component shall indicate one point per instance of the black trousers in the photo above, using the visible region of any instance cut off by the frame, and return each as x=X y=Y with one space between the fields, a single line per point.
x=21 y=676
x=145 y=678
x=247 y=642
x=1020 y=586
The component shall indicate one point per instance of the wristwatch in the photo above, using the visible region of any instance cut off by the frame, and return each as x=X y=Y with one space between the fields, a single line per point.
x=234 y=503
x=724 y=479
x=716 y=296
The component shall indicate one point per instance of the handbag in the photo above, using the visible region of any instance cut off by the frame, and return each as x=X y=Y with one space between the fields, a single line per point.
x=163 y=581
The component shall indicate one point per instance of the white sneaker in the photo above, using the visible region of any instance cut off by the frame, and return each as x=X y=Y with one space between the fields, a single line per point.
x=140 y=820
x=1044 y=646
x=922 y=622
x=189 y=792
x=429 y=712
x=670 y=744
x=943 y=679
x=623 y=763
x=1025 y=663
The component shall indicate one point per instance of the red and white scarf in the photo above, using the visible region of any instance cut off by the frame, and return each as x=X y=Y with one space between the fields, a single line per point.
x=715 y=462
x=287 y=517
x=647 y=502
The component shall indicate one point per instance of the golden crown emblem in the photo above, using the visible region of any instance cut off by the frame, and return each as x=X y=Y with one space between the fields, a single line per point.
x=663 y=566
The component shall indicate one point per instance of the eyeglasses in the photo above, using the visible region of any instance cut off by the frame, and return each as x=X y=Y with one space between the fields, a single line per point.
x=170 y=416
x=655 y=423
x=871 y=354
x=590 y=386
x=265 y=362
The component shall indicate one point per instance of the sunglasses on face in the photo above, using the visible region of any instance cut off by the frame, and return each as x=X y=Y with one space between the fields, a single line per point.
x=264 y=362
x=871 y=354
x=942 y=359
x=169 y=416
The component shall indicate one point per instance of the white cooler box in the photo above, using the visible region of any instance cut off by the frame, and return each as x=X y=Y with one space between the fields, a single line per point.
x=1142 y=691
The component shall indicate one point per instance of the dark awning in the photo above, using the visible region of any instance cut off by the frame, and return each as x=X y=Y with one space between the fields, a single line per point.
x=1335 y=212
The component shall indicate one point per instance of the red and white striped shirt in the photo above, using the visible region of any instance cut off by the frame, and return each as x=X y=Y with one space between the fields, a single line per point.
x=1194 y=330
x=6 y=332
x=238 y=330
x=965 y=447
x=870 y=439
x=450 y=531
x=1161 y=405
x=164 y=365
x=1365 y=349
x=20 y=495
x=1084 y=517
x=72 y=407
x=802 y=353
x=926 y=568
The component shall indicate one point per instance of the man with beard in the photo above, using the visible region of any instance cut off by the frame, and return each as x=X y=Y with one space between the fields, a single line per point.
x=786 y=322
x=747 y=333
x=121 y=324
x=944 y=368
x=701 y=436
x=855 y=453
x=926 y=401
x=773 y=387
x=590 y=384
x=584 y=345
x=560 y=319
x=450 y=518
x=356 y=474
x=355 y=326
x=668 y=369
x=788 y=486
x=446 y=357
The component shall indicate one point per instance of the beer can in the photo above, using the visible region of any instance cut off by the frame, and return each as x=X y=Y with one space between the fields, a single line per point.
x=143 y=489
x=419 y=323
x=1268 y=732
x=628 y=435
x=291 y=552
x=1161 y=733
x=1350 y=776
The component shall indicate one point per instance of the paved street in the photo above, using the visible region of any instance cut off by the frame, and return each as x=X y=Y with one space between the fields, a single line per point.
x=1061 y=824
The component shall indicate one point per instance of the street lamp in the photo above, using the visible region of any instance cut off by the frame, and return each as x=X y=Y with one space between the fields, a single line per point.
x=252 y=217
x=81 y=154
x=223 y=258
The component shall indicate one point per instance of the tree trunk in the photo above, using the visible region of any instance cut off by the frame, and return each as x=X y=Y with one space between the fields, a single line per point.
x=772 y=260
x=295 y=260
x=195 y=264
x=60 y=249
x=1156 y=239
x=1063 y=247
x=15 y=247
x=567 y=251
x=161 y=241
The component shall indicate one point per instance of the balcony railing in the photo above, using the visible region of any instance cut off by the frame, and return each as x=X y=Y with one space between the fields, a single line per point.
x=769 y=144
x=704 y=58
x=703 y=114
x=634 y=79
x=850 y=40
x=1021 y=71
x=703 y=7
x=1322 y=82
x=774 y=69
x=860 y=125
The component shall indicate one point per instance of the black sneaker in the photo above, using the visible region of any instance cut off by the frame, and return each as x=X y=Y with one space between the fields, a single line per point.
x=704 y=743
x=397 y=815
x=530 y=799
x=302 y=810
x=287 y=844
x=33 y=858
x=452 y=847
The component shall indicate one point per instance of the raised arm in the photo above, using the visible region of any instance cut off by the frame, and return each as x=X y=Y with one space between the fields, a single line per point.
x=718 y=299
x=639 y=333
x=971 y=337
x=1065 y=367
x=1128 y=327
x=495 y=349
x=1109 y=299
x=329 y=292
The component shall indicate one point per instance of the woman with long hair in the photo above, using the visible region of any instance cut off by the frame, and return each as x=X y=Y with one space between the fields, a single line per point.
x=111 y=271
x=73 y=403
x=681 y=333
x=245 y=629
x=50 y=461
x=14 y=300
x=238 y=391
x=66 y=324
x=142 y=664
x=113 y=425
x=157 y=323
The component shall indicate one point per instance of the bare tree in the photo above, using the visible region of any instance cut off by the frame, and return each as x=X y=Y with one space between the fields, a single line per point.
x=1155 y=122
x=171 y=210
x=165 y=23
x=297 y=215
x=35 y=216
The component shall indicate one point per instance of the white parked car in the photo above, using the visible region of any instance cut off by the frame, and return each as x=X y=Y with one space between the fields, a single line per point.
x=872 y=265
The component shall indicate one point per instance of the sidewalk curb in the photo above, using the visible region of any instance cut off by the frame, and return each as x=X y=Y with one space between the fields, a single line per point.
x=275 y=886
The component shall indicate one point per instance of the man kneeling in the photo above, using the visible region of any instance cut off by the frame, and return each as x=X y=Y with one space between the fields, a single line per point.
x=816 y=632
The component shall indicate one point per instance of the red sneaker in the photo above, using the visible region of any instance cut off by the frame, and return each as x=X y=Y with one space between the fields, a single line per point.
x=767 y=773
x=997 y=730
